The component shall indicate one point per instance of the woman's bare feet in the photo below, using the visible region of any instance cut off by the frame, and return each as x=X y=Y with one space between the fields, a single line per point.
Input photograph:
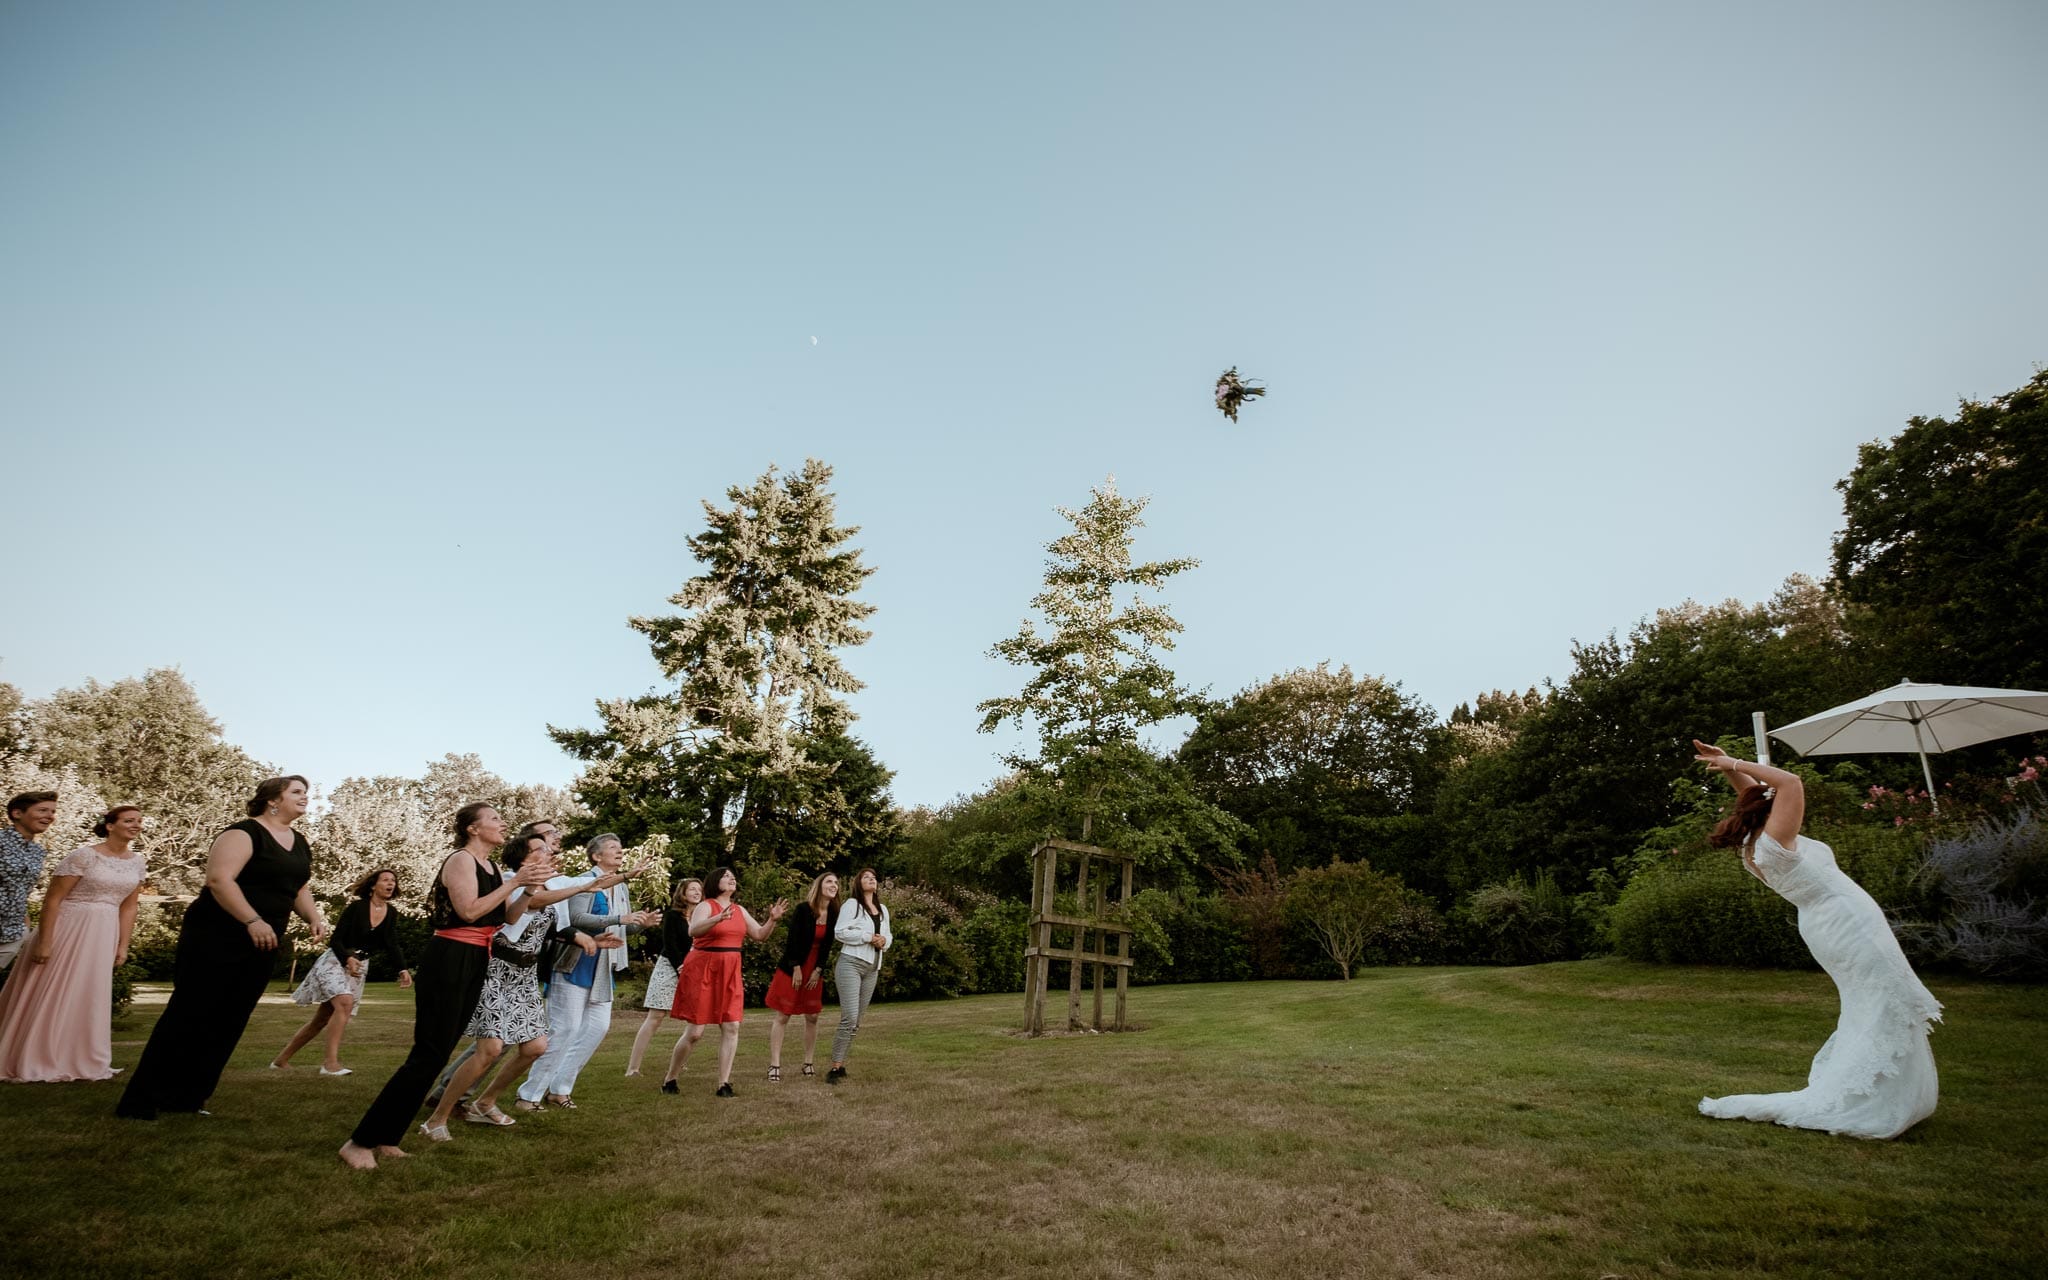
x=356 y=1157
x=389 y=1153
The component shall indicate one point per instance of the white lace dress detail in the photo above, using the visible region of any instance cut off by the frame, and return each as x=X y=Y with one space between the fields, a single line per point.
x=1875 y=1077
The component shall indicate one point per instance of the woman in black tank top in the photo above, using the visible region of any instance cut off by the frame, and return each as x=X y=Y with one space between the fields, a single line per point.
x=227 y=949
x=451 y=976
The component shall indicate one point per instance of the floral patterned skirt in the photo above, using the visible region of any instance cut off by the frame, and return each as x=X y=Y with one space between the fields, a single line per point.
x=329 y=978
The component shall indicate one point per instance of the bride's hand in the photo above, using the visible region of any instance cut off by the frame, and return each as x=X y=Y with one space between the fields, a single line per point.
x=1712 y=756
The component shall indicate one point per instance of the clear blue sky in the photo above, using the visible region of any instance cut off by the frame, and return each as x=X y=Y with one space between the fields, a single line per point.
x=368 y=362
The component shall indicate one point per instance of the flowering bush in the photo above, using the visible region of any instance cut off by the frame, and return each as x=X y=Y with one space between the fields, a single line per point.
x=1993 y=881
x=1898 y=807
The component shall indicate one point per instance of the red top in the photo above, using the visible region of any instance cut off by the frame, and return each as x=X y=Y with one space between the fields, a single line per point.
x=730 y=934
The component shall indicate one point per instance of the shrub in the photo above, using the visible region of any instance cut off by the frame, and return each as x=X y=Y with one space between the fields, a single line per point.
x=1696 y=905
x=1257 y=901
x=1703 y=907
x=926 y=957
x=1993 y=881
x=153 y=946
x=992 y=933
x=1344 y=908
x=1518 y=921
x=125 y=977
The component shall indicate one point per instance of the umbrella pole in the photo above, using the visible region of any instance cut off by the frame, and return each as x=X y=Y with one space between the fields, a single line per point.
x=1925 y=771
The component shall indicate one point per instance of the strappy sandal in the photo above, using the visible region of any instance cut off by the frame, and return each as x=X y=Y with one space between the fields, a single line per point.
x=436 y=1132
x=810 y=1069
x=563 y=1100
x=775 y=1075
x=473 y=1114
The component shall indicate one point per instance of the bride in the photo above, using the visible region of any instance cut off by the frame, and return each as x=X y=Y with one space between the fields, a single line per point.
x=1874 y=1078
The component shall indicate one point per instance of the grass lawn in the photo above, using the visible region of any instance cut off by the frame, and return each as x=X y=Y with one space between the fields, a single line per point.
x=1433 y=1122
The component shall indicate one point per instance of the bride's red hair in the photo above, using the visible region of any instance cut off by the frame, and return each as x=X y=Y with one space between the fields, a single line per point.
x=1752 y=810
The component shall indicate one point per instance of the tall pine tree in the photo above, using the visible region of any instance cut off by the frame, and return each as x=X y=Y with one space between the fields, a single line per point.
x=1098 y=682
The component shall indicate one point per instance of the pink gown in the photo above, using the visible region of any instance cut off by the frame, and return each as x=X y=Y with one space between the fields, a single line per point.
x=56 y=1018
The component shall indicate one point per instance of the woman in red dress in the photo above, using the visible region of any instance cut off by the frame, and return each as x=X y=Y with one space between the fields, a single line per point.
x=709 y=989
x=799 y=984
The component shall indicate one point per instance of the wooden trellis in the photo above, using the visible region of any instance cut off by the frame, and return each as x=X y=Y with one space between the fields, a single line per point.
x=1092 y=920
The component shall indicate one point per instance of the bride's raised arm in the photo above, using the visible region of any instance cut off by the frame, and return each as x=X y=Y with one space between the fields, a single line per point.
x=1788 y=803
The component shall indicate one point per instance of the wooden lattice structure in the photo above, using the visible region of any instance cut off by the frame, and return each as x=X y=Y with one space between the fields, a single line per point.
x=1094 y=920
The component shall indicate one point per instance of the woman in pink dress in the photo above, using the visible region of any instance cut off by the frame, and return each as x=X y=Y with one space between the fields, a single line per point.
x=57 y=1009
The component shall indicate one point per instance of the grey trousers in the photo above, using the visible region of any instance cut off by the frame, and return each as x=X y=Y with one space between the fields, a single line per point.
x=856 y=982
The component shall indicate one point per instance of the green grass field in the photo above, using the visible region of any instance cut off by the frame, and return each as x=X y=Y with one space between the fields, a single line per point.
x=1434 y=1122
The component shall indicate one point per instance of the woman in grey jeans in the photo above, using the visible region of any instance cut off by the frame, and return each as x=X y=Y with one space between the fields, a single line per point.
x=863 y=931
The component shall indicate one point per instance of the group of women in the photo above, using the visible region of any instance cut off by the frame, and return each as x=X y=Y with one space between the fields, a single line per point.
x=494 y=913
x=482 y=970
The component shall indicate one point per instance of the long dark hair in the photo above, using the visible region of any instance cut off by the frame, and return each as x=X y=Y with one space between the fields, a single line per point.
x=362 y=887
x=858 y=896
x=1739 y=829
x=718 y=874
x=270 y=789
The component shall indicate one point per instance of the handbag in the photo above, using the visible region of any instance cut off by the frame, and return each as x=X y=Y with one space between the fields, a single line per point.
x=512 y=955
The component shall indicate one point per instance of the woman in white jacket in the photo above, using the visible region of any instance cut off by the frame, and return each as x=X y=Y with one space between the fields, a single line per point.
x=863 y=932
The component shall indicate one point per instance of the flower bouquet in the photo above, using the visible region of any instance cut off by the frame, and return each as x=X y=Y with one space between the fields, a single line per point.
x=1232 y=391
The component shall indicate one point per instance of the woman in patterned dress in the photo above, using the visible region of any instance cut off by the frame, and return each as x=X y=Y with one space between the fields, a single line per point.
x=335 y=981
x=710 y=989
x=511 y=1009
x=56 y=1011
x=661 y=985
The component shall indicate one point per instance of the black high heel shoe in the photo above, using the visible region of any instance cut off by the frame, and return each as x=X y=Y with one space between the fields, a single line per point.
x=669 y=1086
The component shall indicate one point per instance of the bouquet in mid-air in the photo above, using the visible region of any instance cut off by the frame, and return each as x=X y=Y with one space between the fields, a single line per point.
x=1232 y=391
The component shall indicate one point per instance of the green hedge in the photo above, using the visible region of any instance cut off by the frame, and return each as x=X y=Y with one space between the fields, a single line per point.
x=1702 y=906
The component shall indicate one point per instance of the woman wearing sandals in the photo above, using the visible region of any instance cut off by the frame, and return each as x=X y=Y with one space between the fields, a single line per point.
x=335 y=982
x=661 y=985
x=472 y=898
x=510 y=1010
x=799 y=983
x=863 y=932
x=710 y=988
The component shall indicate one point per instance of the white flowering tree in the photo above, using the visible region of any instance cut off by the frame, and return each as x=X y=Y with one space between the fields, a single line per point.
x=406 y=823
x=754 y=655
x=148 y=741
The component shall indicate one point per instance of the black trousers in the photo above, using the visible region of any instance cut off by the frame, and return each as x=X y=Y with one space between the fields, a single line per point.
x=218 y=977
x=445 y=992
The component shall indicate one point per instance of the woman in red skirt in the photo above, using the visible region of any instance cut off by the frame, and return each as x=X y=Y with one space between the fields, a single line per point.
x=709 y=989
x=799 y=985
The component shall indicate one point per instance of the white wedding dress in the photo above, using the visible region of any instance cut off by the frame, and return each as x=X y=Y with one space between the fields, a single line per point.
x=1875 y=1077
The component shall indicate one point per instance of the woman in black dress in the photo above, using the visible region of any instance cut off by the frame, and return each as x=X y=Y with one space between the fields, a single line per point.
x=472 y=898
x=334 y=984
x=256 y=876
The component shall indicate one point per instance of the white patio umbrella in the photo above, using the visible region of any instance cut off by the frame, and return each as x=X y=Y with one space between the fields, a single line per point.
x=1918 y=717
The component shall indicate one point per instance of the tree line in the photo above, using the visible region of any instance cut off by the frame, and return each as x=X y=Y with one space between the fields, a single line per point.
x=1508 y=828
